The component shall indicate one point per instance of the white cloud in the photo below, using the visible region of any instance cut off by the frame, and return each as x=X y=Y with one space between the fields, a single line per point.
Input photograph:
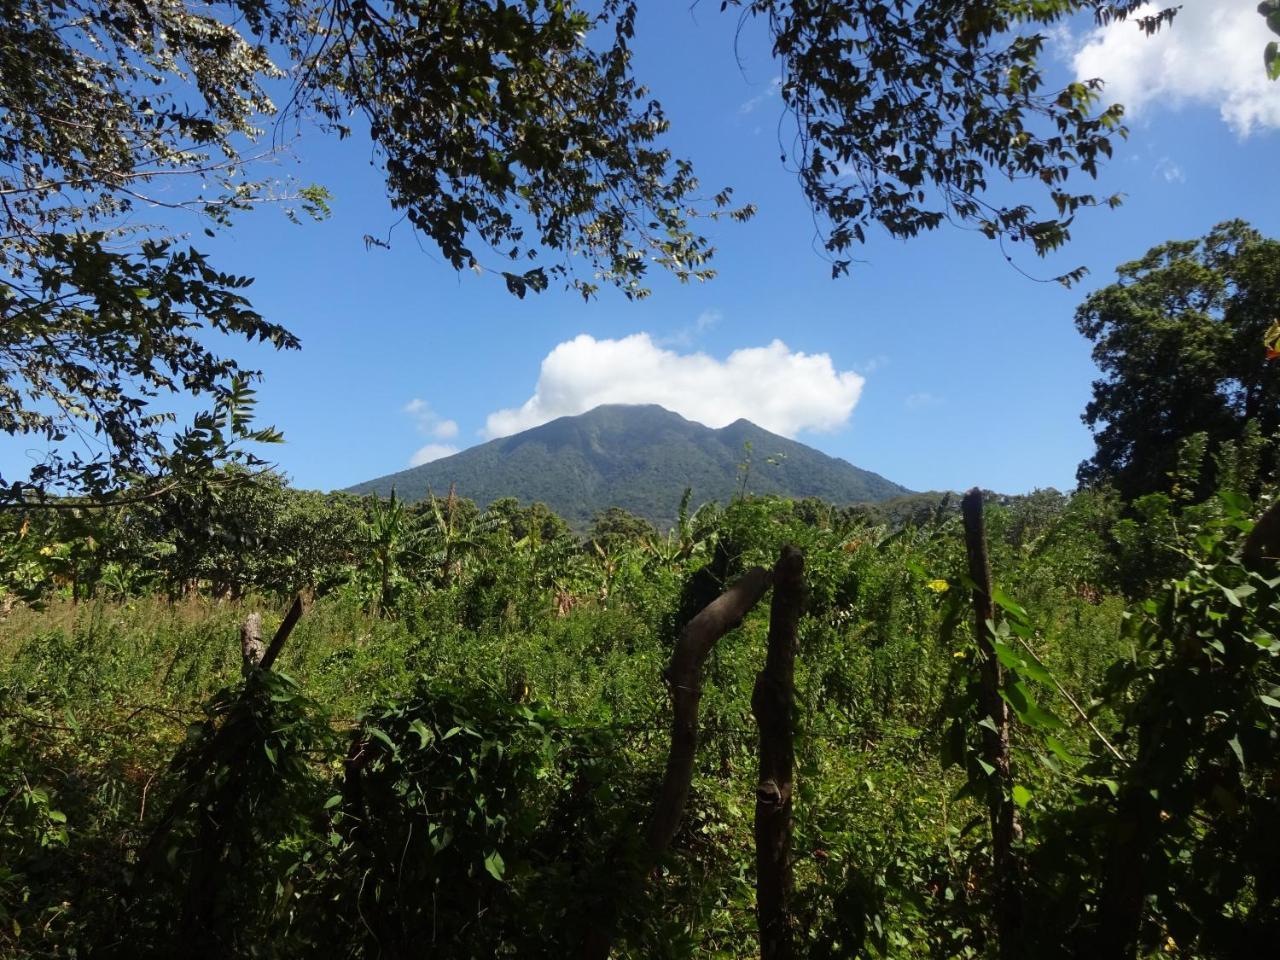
x=878 y=362
x=774 y=88
x=917 y=401
x=708 y=319
x=1170 y=171
x=1211 y=54
x=774 y=387
x=428 y=422
x=432 y=451
x=685 y=336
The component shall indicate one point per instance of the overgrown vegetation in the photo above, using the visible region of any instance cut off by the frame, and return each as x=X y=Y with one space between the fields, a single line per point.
x=461 y=740
x=456 y=750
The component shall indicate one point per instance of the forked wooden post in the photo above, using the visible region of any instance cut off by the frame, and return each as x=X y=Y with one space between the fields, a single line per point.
x=684 y=678
x=226 y=742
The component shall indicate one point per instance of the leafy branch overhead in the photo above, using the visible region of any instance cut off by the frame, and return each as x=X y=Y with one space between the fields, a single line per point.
x=514 y=136
x=1270 y=10
x=913 y=116
x=517 y=129
x=505 y=135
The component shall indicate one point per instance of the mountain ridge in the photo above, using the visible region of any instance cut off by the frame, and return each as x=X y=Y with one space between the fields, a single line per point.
x=637 y=456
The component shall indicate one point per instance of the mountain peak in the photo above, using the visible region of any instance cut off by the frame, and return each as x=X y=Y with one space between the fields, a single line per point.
x=637 y=456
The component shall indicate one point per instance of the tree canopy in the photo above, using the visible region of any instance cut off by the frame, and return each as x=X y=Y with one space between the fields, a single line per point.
x=1178 y=339
x=517 y=130
x=513 y=136
x=911 y=116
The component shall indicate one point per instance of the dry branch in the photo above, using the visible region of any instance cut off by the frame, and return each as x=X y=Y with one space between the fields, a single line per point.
x=282 y=634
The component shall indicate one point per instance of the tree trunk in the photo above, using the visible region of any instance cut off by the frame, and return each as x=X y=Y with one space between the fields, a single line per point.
x=1005 y=829
x=773 y=703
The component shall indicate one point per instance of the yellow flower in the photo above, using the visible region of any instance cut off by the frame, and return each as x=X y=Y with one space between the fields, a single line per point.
x=938 y=586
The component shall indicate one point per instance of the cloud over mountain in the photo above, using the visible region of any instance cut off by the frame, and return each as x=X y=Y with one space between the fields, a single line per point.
x=779 y=389
x=430 y=424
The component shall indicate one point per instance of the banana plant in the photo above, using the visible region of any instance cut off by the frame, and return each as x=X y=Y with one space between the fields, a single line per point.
x=694 y=534
x=454 y=535
x=389 y=543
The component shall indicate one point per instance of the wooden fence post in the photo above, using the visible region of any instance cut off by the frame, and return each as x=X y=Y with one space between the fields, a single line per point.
x=773 y=703
x=251 y=648
x=1005 y=828
x=684 y=678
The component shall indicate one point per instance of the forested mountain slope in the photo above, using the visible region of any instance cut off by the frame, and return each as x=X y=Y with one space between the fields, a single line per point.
x=641 y=458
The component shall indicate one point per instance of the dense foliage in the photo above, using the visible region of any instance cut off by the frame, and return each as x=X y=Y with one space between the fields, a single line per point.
x=456 y=748
x=1176 y=339
x=461 y=739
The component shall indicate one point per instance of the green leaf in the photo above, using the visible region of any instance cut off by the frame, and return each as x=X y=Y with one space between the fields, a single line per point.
x=1236 y=502
x=425 y=734
x=1034 y=670
x=1021 y=795
x=1050 y=763
x=1008 y=604
x=1234 y=744
x=333 y=801
x=495 y=865
x=1028 y=711
x=1007 y=655
x=381 y=734
x=1058 y=749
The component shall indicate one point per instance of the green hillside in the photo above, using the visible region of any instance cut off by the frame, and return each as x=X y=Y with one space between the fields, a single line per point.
x=640 y=458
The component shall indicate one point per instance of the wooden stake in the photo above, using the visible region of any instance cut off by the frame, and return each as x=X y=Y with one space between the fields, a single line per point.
x=773 y=703
x=1005 y=828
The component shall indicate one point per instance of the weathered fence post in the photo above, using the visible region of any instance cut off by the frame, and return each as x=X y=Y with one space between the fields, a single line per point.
x=228 y=742
x=251 y=648
x=1005 y=829
x=684 y=678
x=773 y=703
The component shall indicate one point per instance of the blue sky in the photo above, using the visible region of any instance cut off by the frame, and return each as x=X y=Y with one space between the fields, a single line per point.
x=970 y=373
